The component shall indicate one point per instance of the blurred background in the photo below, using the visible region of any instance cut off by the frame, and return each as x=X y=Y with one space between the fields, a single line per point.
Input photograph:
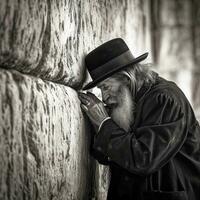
x=44 y=136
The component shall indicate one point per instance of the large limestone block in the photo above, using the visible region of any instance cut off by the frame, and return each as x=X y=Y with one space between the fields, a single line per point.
x=138 y=27
x=44 y=141
x=174 y=12
x=175 y=51
x=196 y=45
x=22 y=27
x=49 y=39
x=196 y=31
x=102 y=181
x=196 y=12
x=172 y=33
x=62 y=50
x=196 y=93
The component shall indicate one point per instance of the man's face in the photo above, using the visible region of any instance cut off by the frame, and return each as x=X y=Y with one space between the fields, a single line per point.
x=116 y=94
x=110 y=89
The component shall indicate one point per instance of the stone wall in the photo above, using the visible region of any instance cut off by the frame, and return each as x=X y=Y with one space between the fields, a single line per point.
x=44 y=140
x=48 y=39
x=44 y=136
x=196 y=56
x=176 y=44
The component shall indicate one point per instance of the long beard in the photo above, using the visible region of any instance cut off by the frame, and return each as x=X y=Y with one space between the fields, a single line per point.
x=123 y=113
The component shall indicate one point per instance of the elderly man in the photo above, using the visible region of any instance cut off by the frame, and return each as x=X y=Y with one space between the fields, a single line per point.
x=147 y=132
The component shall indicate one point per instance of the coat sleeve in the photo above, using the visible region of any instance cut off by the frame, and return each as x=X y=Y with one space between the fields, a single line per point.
x=160 y=135
x=98 y=155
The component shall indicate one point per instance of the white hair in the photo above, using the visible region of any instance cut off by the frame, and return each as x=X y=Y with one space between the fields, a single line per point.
x=136 y=75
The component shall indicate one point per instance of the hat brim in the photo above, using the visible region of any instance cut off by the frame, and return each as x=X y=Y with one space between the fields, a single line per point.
x=103 y=77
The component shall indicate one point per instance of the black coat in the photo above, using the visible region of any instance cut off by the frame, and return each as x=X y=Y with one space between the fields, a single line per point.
x=160 y=157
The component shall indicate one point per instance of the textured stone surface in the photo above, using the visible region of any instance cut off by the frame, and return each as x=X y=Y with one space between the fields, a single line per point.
x=176 y=43
x=196 y=93
x=175 y=49
x=44 y=137
x=196 y=51
x=22 y=27
x=49 y=39
x=102 y=181
x=173 y=41
x=44 y=141
x=174 y=12
x=196 y=43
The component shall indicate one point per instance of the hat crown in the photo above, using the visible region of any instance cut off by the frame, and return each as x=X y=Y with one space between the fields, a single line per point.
x=108 y=59
x=105 y=52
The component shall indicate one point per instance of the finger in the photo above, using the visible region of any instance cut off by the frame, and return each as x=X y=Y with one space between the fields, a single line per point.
x=84 y=100
x=80 y=93
x=84 y=96
x=93 y=96
x=84 y=107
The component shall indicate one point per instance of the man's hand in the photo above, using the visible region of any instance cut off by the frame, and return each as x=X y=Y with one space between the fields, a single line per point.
x=93 y=107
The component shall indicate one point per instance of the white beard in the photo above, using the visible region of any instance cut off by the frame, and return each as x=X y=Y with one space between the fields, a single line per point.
x=123 y=113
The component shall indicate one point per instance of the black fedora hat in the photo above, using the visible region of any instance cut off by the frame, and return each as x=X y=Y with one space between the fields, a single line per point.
x=109 y=58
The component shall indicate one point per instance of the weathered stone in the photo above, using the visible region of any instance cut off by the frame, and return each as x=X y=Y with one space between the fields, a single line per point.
x=175 y=49
x=44 y=141
x=195 y=12
x=172 y=35
x=103 y=180
x=196 y=45
x=175 y=12
x=196 y=93
x=175 y=41
x=49 y=39
x=22 y=26
x=196 y=31
x=196 y=51
x=44 y=138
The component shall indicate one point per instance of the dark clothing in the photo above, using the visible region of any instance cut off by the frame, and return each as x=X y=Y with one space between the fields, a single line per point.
x=160 y=157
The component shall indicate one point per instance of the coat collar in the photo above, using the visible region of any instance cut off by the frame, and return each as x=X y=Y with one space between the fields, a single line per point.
x=139 y=96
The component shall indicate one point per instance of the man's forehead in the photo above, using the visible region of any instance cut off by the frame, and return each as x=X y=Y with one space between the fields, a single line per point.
x=101 y=83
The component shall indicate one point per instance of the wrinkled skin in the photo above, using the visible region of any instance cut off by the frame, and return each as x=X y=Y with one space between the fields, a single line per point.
x=95 y=108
